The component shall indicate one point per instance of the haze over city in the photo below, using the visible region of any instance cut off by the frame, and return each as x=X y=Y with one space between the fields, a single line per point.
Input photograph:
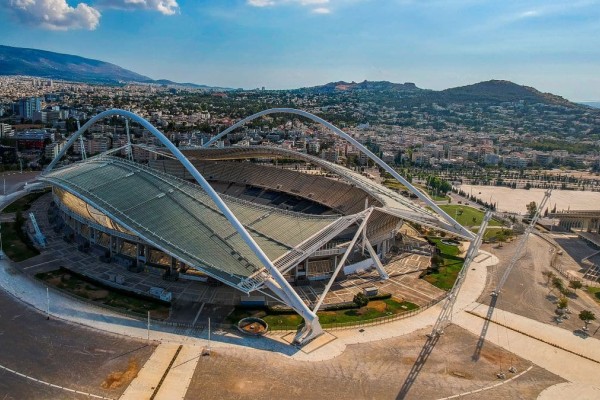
x=551 y=45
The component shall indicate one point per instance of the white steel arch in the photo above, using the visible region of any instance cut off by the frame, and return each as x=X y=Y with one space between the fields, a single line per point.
x=465 y=232
x=277 y=283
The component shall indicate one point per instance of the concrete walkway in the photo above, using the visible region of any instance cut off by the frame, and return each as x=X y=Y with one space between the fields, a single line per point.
x=560 y=362
x=148 y=379
x=177 y=381
x=570 y=391
x=553 y=335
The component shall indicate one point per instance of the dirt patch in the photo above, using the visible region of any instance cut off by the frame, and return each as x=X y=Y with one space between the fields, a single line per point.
x=54 y=281
x=375 y=370
x=461 y=374
x=97 y=294
x=118 y=379
x=495 y=356
x=377 y=305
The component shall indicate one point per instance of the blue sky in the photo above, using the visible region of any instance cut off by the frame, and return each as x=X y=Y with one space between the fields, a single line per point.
x=551 y=45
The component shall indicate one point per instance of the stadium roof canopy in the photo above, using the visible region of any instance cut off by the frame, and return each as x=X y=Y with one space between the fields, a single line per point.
x=393 y=202
x=182 y=220
x=243 y=244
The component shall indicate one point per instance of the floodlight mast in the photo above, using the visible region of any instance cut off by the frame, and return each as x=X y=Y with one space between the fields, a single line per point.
x=81 y=144
x=446 y=315
x=129 y=149
x=517 y=253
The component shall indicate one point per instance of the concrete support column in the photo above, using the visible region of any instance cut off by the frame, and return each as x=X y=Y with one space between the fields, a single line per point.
x=141 y=254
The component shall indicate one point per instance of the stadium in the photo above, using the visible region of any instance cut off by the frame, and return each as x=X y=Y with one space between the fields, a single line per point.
x=256 y=227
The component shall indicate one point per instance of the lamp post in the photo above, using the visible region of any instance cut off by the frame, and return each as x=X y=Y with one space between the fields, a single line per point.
x=148 y=326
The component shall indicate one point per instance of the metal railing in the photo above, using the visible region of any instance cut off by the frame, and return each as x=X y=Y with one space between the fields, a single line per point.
x=368 y=322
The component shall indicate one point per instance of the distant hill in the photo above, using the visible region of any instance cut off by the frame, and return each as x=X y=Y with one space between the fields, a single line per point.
x=47 y=64
x=593 y=104
x=498 y=91
x=488 y=92
x=50 y=65
x=380 y=86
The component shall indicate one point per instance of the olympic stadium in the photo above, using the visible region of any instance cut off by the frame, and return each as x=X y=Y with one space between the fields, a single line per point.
x=252 y=226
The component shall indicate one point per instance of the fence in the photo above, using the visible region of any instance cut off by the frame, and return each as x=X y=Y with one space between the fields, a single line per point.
x=369 y=322
x=215 y=326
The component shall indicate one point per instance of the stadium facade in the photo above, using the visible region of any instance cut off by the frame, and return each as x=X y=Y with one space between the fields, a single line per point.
x=251 y=226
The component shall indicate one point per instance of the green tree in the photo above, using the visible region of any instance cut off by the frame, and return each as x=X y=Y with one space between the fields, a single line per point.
x=563 y=303
x=360 y=299
x=587 y=316
x=558 y=284
x=549 y=277
x=575 y=285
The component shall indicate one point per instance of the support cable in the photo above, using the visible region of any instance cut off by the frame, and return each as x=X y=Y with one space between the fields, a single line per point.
x=517 y=253
x=446 y=315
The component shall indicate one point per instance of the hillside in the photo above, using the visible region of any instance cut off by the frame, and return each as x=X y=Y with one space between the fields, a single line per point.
x=498 y=91
x=491 y=92
x=377 y=86
x=47 y=64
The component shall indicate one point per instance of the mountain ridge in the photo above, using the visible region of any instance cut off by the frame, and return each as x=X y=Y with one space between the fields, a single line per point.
x=493 y=91
x=52 y=65
x=69 y=67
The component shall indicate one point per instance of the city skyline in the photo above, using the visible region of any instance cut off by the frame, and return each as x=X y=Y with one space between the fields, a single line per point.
x=552 y=46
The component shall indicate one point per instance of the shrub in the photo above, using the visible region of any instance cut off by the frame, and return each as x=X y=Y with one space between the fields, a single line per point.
x=360 y=299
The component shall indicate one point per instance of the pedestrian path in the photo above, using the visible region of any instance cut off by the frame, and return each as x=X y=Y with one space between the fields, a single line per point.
x=179 y=377
x=560 y=362
x=151 y=376
x=588 y=347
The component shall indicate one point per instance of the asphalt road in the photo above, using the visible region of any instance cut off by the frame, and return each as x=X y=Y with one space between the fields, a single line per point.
x=59 y=353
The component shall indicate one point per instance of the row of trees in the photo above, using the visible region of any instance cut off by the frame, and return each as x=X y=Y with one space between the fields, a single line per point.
x=474 y=199
x=554 y=282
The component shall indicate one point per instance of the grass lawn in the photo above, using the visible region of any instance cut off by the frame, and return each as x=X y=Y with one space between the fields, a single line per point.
x=449 y=265
x=24 y=203
x=595 y=292
x=496 y=233
x=435 y=197
x=467 y=216
x=14 y=244
x=65 y=280
x=392 y=183
x=291 y=320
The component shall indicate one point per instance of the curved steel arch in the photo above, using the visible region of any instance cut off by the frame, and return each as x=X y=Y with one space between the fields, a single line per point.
x=278 y=283
x=465 y=232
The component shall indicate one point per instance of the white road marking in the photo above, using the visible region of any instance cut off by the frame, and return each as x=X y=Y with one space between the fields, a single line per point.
x=51 y=384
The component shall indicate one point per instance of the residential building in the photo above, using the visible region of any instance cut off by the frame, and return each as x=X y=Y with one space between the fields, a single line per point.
x=28 y=106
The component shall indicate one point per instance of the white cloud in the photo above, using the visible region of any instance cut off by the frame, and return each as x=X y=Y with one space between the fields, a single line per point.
x=166 y=7
x=321 y=10
x=316 y=6
x=262 y=3
x=55 y=14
